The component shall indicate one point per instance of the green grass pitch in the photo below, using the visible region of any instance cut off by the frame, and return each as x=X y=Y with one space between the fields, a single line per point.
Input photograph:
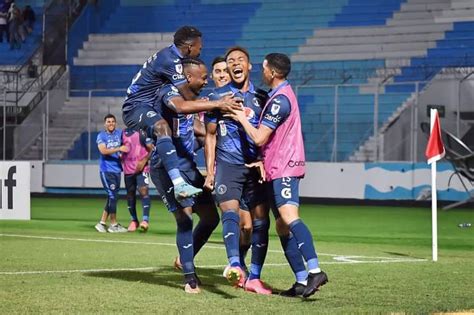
x=378 y=260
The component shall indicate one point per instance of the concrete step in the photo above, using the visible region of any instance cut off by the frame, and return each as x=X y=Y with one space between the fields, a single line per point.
x=366 y=48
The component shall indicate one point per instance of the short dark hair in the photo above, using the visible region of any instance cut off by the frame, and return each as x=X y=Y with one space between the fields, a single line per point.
x=185 y=34
x=217 y=60
x=191 y=61
x=109 y=116
x=280 y=63
x=237 y=48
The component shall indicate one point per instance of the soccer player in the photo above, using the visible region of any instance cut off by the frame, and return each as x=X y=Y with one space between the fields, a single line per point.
x=226 y=159
x=109 y=143
x=220 y=76
x=280 y=137
x=136 y=170
x=173 y=109
x=162 y=68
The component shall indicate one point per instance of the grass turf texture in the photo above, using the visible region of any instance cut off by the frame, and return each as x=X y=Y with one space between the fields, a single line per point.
x=90 y=272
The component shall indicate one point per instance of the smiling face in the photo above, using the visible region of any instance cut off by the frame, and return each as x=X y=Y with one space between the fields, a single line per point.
x=197 y=77
x=220 y=74
x=110 y=124
x=239 y=66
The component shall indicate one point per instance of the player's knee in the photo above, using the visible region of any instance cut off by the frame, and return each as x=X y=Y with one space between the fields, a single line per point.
x=161 y=129
x=281 y=227
x=184 y=223
x=246 y=230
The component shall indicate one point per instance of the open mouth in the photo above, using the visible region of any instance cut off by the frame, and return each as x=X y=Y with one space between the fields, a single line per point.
x=238 y=72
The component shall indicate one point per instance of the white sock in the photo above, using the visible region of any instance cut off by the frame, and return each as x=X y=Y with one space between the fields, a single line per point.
x=177 y=181
x=304 y=282
x=316 y=270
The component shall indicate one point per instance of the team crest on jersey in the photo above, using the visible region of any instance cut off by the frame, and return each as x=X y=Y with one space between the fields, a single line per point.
x=256 y=102
x=249 y=113
x=221 y=189
x=275 y=109
x=150 y=114
x=179 y=68
x=223 y=128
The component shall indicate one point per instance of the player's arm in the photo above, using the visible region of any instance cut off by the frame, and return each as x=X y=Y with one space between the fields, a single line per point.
x=274 y=115
x=258 y=135
x=148 y=144
x=108 y=151
x=226 y=104
x=210 y=153
x=199 y=128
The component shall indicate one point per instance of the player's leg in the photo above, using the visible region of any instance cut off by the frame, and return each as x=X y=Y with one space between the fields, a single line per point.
x=229 y=184
x=245 y=234
x=101 y=227
x=113 y=183
x=142 y=183
x=255 y=195
x=131 y=187
x=167 y=153
x=205 y=208
x=184 y=223
x=261 y=224
x=287 y=202
x=145 y=118
x=290 y=249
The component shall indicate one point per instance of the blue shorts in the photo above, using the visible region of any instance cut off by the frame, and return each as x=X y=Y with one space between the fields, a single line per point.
x=238 y=182
x=134 y=181
x=283 y=191
x=142 y=116
x=110 y=181
x=165 y=188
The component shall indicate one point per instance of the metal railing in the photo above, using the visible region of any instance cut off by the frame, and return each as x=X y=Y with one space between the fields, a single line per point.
x=387 y=123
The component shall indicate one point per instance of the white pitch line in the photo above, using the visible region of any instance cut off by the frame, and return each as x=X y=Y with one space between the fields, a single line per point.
x=2 y=273
x=341 y=259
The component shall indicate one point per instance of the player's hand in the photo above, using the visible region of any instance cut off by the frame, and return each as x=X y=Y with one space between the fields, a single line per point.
x=237 y=116
x=261 y=169
x=209 y=182
x=123 y=148
x=230 y=104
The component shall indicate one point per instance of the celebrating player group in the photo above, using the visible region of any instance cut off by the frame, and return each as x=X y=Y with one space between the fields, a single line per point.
x=254 y=154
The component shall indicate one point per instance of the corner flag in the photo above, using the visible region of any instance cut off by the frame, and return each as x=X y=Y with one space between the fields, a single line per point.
x=435 y=148
x=434 y=152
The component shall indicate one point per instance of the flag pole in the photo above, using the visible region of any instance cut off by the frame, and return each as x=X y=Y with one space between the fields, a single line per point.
x=434 y=197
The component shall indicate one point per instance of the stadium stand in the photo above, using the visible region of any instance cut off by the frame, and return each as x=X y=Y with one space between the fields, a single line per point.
x=359 y=43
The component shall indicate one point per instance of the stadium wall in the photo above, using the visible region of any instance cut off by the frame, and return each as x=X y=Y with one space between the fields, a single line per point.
x=364 y=181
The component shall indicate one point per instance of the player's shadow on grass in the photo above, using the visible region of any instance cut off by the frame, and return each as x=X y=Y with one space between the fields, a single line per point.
x=168 y=276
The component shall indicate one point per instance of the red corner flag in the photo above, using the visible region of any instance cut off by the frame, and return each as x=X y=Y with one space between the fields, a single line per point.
x=435 y=148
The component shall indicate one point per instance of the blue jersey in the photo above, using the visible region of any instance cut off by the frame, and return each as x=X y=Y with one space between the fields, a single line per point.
x=278 y=110
x=162 y=68
x=110 y=162
x=182 y=126
x=234 y=146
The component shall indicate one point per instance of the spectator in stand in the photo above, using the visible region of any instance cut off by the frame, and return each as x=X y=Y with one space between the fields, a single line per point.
x=3 y=20
x=29 y=19
x=14 y=22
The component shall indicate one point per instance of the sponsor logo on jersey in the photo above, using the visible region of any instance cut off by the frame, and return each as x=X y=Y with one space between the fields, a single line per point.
x=286 y=193
x=275 y=109
x=292 y=163
x=275 y=119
